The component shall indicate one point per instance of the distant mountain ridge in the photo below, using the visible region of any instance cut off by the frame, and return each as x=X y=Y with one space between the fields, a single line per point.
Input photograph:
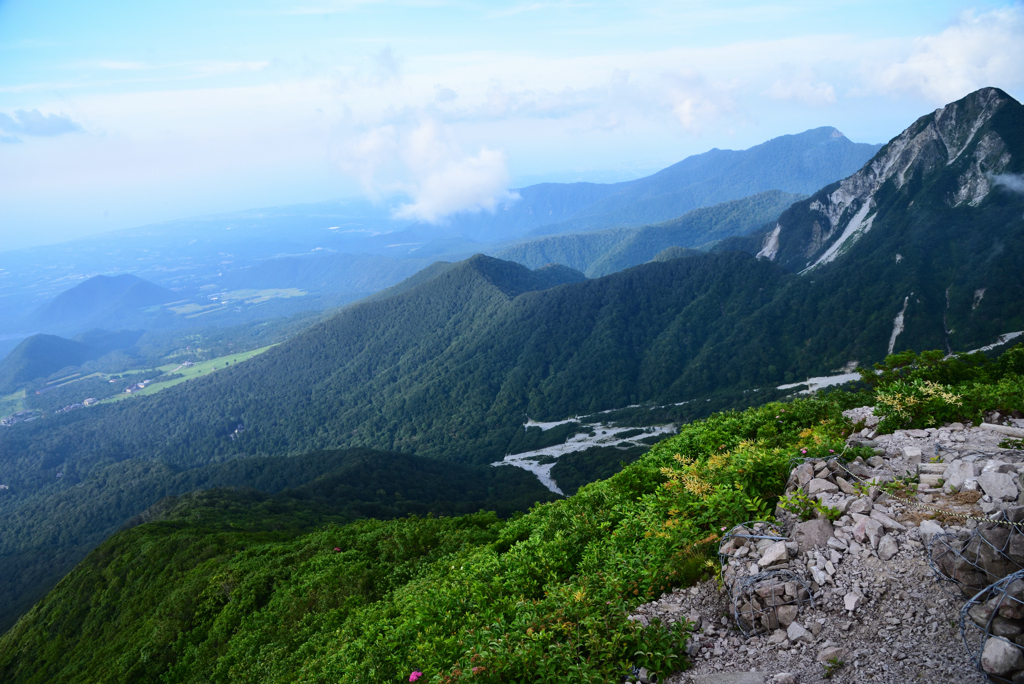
x=799 y=164
x=100 y=302
x=604 y=252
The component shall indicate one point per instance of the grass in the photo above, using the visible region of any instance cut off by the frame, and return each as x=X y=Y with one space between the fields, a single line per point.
x=12 y=403
x=198 y=370
x=193 y=309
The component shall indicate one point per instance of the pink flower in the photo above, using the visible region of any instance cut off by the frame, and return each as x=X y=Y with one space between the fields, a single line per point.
x=415 y=675
x=803 y=451
x=337 y=550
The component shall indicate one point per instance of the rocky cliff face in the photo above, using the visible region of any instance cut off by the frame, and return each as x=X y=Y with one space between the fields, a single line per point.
x=951 y=158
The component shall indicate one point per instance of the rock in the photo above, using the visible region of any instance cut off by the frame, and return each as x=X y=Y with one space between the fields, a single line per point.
x=729 y=678
x=868 y=529
x=957 y=473
x=861 y=506
x=998 y=485
x=887 y=547
x=787 y=614
x=778 y=637
x=796 y=632
x=853 y=600
x=928 y=529
x=887 y=522
x=1001 y=627
x=784 y=678
x=819 y=486
x=812 y=533
x=837 y=543
x=912 y=455
x=776 y=553
x=845 y=487
x=830 y=652
x=1001 y=657
x=929 y=480
x=803 y=474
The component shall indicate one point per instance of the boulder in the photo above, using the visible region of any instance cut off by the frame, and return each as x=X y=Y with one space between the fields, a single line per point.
x=776 y=553
x=818 y=486
x=887 y=547
x=845 y=487
x=887 y=522
x=796 y=632
x=787 y=615
x=1000 y=657
x=861 y=506
x=853 y=600
x=928 y=529
x=999 y=486
x=812 y=533
x=828 y=653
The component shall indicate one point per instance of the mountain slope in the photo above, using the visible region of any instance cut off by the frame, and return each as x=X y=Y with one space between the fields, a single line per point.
x=603 y=252
x=40 y=355
x=929 y=219
x=800 y=163
x=100 y=302
x=319 y=486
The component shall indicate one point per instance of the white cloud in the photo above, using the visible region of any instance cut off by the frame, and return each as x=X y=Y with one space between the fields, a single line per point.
x=803 y=90
x=1010 y=181
x=696 y=103
x=980 y=50
x=424 y=163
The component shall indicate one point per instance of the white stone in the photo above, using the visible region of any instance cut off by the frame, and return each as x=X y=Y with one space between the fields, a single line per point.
x=1001 y=657
x=818 y=486
x=887 y=547
x=853 y=600
x=998 y=485
x=928 y=529
x=776 y=553
x=796 y=632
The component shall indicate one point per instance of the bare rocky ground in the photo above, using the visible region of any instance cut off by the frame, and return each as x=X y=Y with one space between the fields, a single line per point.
x=880 y=614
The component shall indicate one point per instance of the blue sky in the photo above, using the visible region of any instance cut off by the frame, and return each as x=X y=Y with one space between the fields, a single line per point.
x=115 y=114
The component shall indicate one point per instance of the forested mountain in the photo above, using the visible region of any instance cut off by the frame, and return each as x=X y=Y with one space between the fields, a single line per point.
x=100 y=302
x=603 y=252
x=40 y=355
x=236 y=586
x=52 y=532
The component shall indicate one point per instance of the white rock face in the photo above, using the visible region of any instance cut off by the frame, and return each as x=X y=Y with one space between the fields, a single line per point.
x=770 y=247
x=934 y=141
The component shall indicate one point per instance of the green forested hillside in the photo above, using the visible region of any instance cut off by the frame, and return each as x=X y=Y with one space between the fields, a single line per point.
x=233 y=587
x=604 y=252
x=38 y=356
x=52 y=532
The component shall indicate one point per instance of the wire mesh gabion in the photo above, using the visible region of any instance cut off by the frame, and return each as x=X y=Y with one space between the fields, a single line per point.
x=769 y=600
x=981 y=557
x=730 y=557
x=763 y=598
x=992 y=626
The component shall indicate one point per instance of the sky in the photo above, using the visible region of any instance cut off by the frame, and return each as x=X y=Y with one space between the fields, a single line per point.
x=117 y=114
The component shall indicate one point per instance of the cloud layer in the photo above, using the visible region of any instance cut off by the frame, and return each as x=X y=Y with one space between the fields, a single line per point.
x=35 y=123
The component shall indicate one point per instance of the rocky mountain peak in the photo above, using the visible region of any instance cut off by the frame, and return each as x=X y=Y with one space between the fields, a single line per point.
x=945 y=158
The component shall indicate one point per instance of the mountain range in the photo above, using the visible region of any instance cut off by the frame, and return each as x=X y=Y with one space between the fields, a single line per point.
x=338 y=252
x=449 y=363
